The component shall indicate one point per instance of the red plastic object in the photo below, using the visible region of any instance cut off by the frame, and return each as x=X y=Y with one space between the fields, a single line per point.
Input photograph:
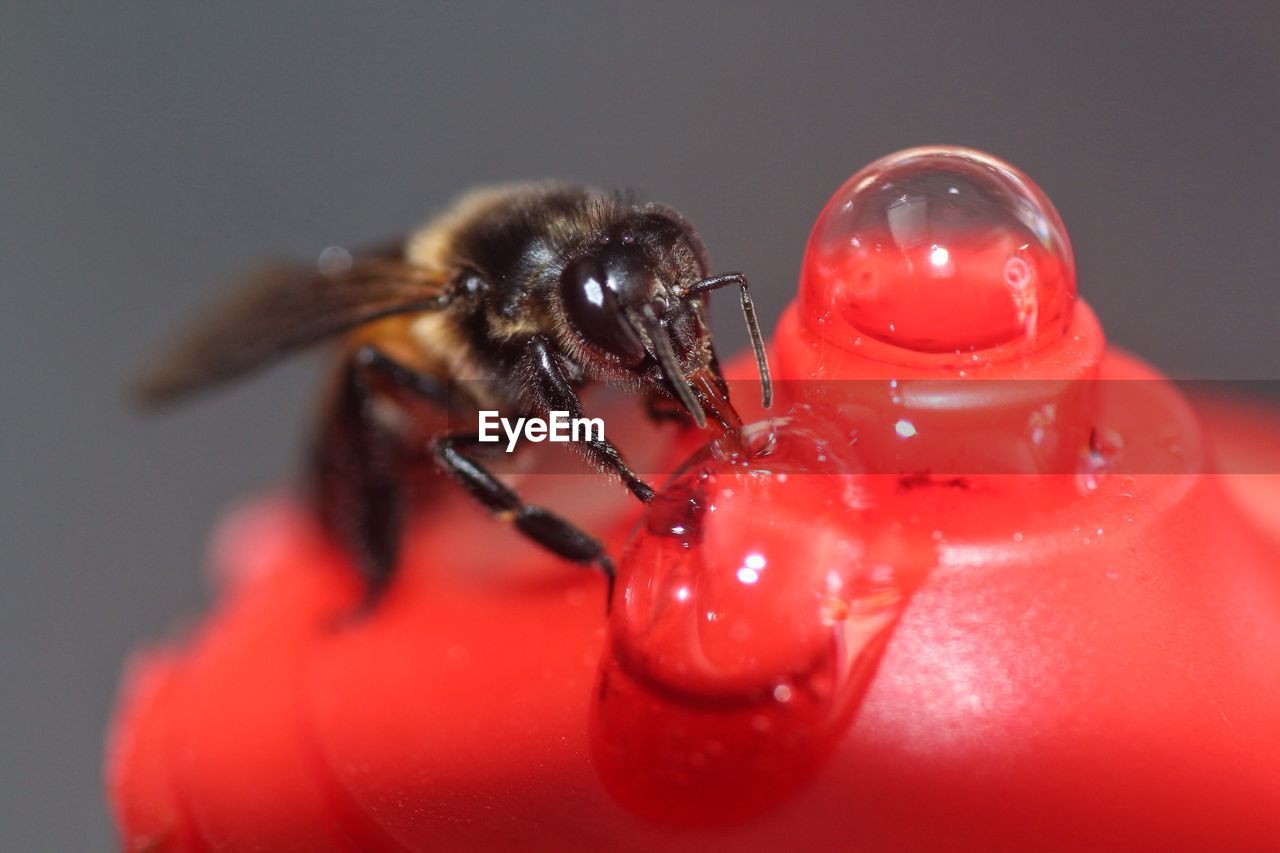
x=935 y=602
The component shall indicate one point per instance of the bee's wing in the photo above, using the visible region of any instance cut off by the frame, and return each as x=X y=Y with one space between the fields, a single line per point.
x=282 y=309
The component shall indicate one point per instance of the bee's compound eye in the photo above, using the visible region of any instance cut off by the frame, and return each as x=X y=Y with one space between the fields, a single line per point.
x=595 y=311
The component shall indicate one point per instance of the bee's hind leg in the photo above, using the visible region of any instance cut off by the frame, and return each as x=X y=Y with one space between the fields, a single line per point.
x=537 y=524
x=356 y=465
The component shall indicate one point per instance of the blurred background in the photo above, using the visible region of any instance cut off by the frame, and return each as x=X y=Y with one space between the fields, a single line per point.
x=147 y=151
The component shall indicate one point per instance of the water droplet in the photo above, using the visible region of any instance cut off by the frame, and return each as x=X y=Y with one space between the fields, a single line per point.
x=334 y=260
x=761 y=635
x=1099 y=460
x=943 y=252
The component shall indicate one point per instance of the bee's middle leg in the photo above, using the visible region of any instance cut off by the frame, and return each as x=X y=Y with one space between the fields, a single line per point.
x=537 y=524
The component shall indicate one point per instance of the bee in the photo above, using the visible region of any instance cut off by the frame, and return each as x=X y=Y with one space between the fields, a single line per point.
x=513 y=300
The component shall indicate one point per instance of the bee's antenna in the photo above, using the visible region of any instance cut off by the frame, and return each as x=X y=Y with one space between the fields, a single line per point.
x=753 y=325
x=655 y=337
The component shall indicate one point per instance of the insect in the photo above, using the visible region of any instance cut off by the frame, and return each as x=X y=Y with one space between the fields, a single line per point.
x=513 y=300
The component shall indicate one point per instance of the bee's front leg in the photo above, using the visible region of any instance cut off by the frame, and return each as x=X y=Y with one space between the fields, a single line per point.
x=551 y=391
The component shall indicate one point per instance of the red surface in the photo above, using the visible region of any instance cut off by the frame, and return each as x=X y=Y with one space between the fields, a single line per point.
x=1084 y=657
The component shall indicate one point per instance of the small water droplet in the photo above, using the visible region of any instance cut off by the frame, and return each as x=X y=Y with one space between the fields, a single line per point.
x=334 y=260
x=1099 y=460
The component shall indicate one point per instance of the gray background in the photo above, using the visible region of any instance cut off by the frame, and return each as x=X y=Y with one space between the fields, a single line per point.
x=147 y=151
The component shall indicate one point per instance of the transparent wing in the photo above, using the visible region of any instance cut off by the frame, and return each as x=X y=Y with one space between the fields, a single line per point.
x=281 y=309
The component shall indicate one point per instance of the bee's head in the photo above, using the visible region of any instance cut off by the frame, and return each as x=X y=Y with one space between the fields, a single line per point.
x=633 y=296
